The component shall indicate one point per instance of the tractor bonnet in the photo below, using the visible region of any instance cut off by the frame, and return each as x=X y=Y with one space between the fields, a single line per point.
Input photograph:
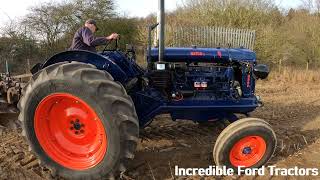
x=214 y=55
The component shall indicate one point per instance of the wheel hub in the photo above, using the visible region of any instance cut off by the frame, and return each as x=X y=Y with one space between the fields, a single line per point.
x=248 y=151
x=77 y=127
x=70 y=132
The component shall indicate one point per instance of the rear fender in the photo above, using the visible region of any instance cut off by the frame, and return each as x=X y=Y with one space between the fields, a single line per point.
x=101 y=62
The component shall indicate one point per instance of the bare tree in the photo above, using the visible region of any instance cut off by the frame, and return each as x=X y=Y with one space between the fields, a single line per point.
x=97 y=9
x=308 y=4
x=50 y=21
x=317 y=5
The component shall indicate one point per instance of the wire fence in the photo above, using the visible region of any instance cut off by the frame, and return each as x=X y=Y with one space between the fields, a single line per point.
x=182 y=36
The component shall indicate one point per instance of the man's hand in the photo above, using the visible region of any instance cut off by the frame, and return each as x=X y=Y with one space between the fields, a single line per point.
x=113 y=36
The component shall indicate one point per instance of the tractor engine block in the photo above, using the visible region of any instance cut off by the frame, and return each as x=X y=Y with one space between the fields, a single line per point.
x=197 y=81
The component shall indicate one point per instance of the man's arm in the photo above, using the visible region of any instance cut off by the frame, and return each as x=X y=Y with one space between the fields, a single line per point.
x=90 y=40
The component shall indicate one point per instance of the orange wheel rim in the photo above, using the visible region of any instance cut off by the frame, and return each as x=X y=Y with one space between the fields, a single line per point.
x=248 y=151
x=70 y=132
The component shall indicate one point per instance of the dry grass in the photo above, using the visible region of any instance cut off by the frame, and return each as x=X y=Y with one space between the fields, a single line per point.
x=295 y=76
x=302 y=86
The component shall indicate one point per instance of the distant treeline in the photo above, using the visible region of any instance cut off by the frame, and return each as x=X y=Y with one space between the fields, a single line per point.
x=284 y=37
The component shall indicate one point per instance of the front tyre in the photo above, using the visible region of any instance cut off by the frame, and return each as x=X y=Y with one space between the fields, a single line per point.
x=79 y=122
x=248 y=143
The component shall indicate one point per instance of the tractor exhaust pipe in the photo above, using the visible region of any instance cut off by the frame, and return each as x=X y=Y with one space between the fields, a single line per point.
x=161 y=29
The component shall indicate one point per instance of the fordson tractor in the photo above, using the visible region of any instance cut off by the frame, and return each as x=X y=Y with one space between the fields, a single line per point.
x=82 y=111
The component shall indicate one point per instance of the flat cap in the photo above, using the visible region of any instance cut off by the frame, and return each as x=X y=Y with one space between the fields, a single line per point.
x=92 y=21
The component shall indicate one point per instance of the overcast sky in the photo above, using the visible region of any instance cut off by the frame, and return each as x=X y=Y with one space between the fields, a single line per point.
x=141 y=8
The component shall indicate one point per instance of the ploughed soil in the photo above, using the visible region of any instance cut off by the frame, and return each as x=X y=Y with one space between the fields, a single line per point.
x=292 y=109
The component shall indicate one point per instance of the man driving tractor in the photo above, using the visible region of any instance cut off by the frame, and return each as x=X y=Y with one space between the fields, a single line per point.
x=85 y=40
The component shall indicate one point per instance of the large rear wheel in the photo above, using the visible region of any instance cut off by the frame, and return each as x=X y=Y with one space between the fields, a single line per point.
x=79 y=122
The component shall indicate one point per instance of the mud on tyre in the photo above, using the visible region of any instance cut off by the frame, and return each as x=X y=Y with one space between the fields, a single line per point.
x=79 y=122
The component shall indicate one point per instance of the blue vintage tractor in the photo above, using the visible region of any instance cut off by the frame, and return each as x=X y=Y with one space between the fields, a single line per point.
x=82 y=111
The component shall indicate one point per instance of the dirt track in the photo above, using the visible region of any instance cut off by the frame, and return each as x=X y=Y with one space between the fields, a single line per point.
x=293 y=111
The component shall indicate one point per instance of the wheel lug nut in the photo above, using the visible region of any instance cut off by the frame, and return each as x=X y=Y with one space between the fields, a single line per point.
x=82 y=125
x=72 y=122
x=71 y=128
x=77 y=120
x=77 y=132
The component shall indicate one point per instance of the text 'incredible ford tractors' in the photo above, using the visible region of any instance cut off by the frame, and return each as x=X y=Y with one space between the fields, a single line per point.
x=82 y=111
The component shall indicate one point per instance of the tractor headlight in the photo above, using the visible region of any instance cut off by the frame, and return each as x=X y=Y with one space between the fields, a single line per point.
x=261 y=71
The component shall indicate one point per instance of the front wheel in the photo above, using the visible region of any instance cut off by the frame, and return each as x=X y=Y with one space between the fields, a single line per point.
x=79 y=122
x=247 y=143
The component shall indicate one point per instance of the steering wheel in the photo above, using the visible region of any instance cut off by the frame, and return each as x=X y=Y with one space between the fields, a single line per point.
x=116 y=45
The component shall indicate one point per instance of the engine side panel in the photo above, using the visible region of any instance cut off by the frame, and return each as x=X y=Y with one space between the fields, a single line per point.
x=198 y=91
